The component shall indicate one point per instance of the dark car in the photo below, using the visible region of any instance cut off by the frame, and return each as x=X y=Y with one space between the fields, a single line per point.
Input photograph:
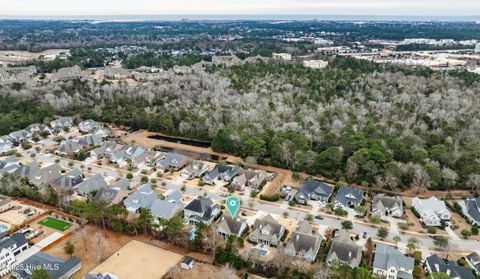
x=319 y=217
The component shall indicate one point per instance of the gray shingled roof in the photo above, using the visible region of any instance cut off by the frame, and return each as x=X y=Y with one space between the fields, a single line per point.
x=346 y=195
x=40 y=259
x=17 y=238
x=68 y=180
x=387 y=256
x=232 y=225
x=90 y=185
x=437 y=264
x=345 y=249
x=314 y=186
x=142 y=198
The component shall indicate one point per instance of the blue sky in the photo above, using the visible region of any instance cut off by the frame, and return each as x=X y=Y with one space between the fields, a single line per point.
x=244 y=7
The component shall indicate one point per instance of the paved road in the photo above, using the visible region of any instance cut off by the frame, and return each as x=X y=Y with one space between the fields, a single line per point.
x=426 y=242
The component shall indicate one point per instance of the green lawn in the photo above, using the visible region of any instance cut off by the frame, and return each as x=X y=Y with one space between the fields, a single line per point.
x=55 y=223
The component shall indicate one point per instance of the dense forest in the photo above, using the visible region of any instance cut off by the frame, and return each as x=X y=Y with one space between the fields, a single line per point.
x=39 y=35
x=355 y=120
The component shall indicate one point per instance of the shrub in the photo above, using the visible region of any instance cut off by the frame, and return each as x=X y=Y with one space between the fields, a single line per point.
x=466 y=233
x=431 y=230
x=417 y=272
x=340 y=212
x=292 y=203
x=382 y=232
x=374 y=219
x=347 y=225
x=129 y=175
x=272 y=198
x=144 y=179
x=474 y=230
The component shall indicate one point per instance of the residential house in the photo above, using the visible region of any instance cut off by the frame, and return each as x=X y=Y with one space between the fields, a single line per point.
x=267 y=230
x=90 y=140
x=106 y=150
x=67 y=181
x=201 y=210
x=251 y=178
x=436 y=264
x=61 y=123
x=473 y=260
x=114 y=194
x=102 y=132
x=347 y=197
x=45 y=176
x=69 y=148
x=37 y=129
x=143 y=197
x=432 y=211
x=9 y=165
x=387 y=206
x=228 y=172
x=231 y=226
x=471 y=209
x=88 y=126
x=92 y=184
x=5 y=203
x=392 y=264
x=173 y=161
x=344 y=251
x=63 y=268
x=304 y=244
x=314 y=190
x=195 y=169
x=27 y=171
x=10 y=247
x=19 y=136
x=6 y=147
x=168 y=207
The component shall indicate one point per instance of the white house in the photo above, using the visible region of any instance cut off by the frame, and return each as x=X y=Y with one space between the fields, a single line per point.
x=432 y=211
x=9 y=248
x=387 y=206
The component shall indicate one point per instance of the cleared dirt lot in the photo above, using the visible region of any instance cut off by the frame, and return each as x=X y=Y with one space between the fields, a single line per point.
x=15 y=56
x=201 y=270
x=138 y=260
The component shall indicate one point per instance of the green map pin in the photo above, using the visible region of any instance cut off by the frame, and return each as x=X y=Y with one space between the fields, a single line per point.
x=233 y=204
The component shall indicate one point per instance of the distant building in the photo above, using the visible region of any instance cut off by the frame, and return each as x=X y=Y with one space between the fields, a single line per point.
x=304 y=243
x=436 y=264
x=477 y=48
x=344 y=251
x=315 y=64
x=282 y=56
x=471 y=209
x=347 y=197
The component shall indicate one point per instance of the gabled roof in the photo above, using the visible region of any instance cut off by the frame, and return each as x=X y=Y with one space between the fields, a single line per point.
x=387 y=256
x=92 y=184
x=472 y=205
x=163 y=209
x=346 y=194
x=200 y=205
x=345 y=249
x=383 y=202
x=47 y=175
x=268 y=220
x=436 y=264
x=121 y=185
x=173 y=159
x=314 y=186
x=17 y=239
x=27 y=170
x=232 y=225
x=68 y=180
x=142 y=198
x=62 y=267
x=303 y=241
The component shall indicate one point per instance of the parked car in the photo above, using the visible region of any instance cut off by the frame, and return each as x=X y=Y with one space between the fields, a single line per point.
x=288 y=197
x=319 y=217
x=364 y=235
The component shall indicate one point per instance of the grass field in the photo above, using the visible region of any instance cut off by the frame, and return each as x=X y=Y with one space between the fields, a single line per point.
x=55 y=224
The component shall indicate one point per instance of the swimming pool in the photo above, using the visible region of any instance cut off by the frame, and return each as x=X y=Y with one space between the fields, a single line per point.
x=3 y=228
